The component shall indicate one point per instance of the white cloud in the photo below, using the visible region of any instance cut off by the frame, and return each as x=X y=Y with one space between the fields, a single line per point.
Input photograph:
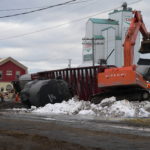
x=15 y=52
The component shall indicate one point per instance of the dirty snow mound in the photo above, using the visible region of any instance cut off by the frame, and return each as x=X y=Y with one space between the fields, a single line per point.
x=109 y=107
x=71 y=107
x=122 y=108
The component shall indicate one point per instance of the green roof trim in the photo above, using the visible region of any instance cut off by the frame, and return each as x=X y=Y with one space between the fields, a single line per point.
x=117 y=11
x=108 y=28
x=104 y=21
x=98 y=37
x=118 y=38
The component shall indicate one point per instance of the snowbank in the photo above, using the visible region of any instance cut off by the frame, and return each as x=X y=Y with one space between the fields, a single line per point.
x=107 y=108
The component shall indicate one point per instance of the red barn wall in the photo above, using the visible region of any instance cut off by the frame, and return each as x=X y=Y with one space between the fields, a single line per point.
x=13 y=67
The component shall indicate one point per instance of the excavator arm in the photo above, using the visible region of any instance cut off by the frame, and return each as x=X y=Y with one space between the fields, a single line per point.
x=136 y=25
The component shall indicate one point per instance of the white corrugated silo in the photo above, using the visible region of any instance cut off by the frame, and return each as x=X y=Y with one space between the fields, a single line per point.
x=108 y=34
x=95 y=29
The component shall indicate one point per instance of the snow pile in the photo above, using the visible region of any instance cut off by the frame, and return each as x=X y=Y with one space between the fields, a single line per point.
x=122 y=108
x=109 y=107
x=72 y=106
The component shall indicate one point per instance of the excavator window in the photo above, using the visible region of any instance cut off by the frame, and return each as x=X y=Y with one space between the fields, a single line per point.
x=145 y=47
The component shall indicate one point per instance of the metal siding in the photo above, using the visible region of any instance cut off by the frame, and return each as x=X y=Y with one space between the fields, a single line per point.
x=111 y=46
x=89 y=30
x=97 y=28
x=119 y=53
x=118 y=17
x=99 y=51
x=104 y=33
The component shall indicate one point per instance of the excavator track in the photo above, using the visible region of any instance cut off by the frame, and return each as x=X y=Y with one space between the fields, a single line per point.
x=131 y=94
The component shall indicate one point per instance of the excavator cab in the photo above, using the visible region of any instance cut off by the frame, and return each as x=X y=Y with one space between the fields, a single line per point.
x=145 y=47
x=143 y=67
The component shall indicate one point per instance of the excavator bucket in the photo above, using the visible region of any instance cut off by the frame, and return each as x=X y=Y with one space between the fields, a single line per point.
x=145 y=47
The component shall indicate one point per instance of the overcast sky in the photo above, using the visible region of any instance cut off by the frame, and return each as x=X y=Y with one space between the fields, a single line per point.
x=52 y=48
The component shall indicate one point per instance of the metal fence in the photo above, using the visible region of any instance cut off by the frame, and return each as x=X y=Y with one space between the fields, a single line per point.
x=82 y=81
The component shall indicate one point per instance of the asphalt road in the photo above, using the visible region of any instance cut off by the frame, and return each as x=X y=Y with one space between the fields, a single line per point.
x=26 y=131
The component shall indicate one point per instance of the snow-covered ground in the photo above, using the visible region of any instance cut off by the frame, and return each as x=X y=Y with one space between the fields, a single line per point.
x=107 y=108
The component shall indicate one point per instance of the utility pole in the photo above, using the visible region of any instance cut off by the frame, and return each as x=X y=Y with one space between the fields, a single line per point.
x=69 y=63
x=93 y=51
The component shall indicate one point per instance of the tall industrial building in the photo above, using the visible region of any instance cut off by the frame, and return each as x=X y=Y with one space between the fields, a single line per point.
x=106 y=36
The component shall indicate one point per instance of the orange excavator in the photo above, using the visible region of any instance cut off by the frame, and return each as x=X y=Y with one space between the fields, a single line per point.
x=128 y=82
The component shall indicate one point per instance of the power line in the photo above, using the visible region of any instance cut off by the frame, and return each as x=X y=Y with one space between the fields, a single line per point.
x=40 y=9
x=16 y=9
x=57 y=26
x=61 y=25
x=37 y=7
x=134 y=2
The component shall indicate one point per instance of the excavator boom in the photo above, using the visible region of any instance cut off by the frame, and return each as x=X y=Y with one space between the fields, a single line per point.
x=136 y=25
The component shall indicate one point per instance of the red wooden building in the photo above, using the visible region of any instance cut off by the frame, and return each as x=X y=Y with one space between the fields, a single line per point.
x=10 y=69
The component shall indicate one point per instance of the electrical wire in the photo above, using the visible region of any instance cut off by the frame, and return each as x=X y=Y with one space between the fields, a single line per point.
x=36 y=10
x=61 y=25
x=134 y=2
x=37 y=7
x=57 y=26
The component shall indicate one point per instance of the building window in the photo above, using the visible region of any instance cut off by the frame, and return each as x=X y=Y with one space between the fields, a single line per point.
x=17 y=74
x=9 y=72
x=1 y=75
